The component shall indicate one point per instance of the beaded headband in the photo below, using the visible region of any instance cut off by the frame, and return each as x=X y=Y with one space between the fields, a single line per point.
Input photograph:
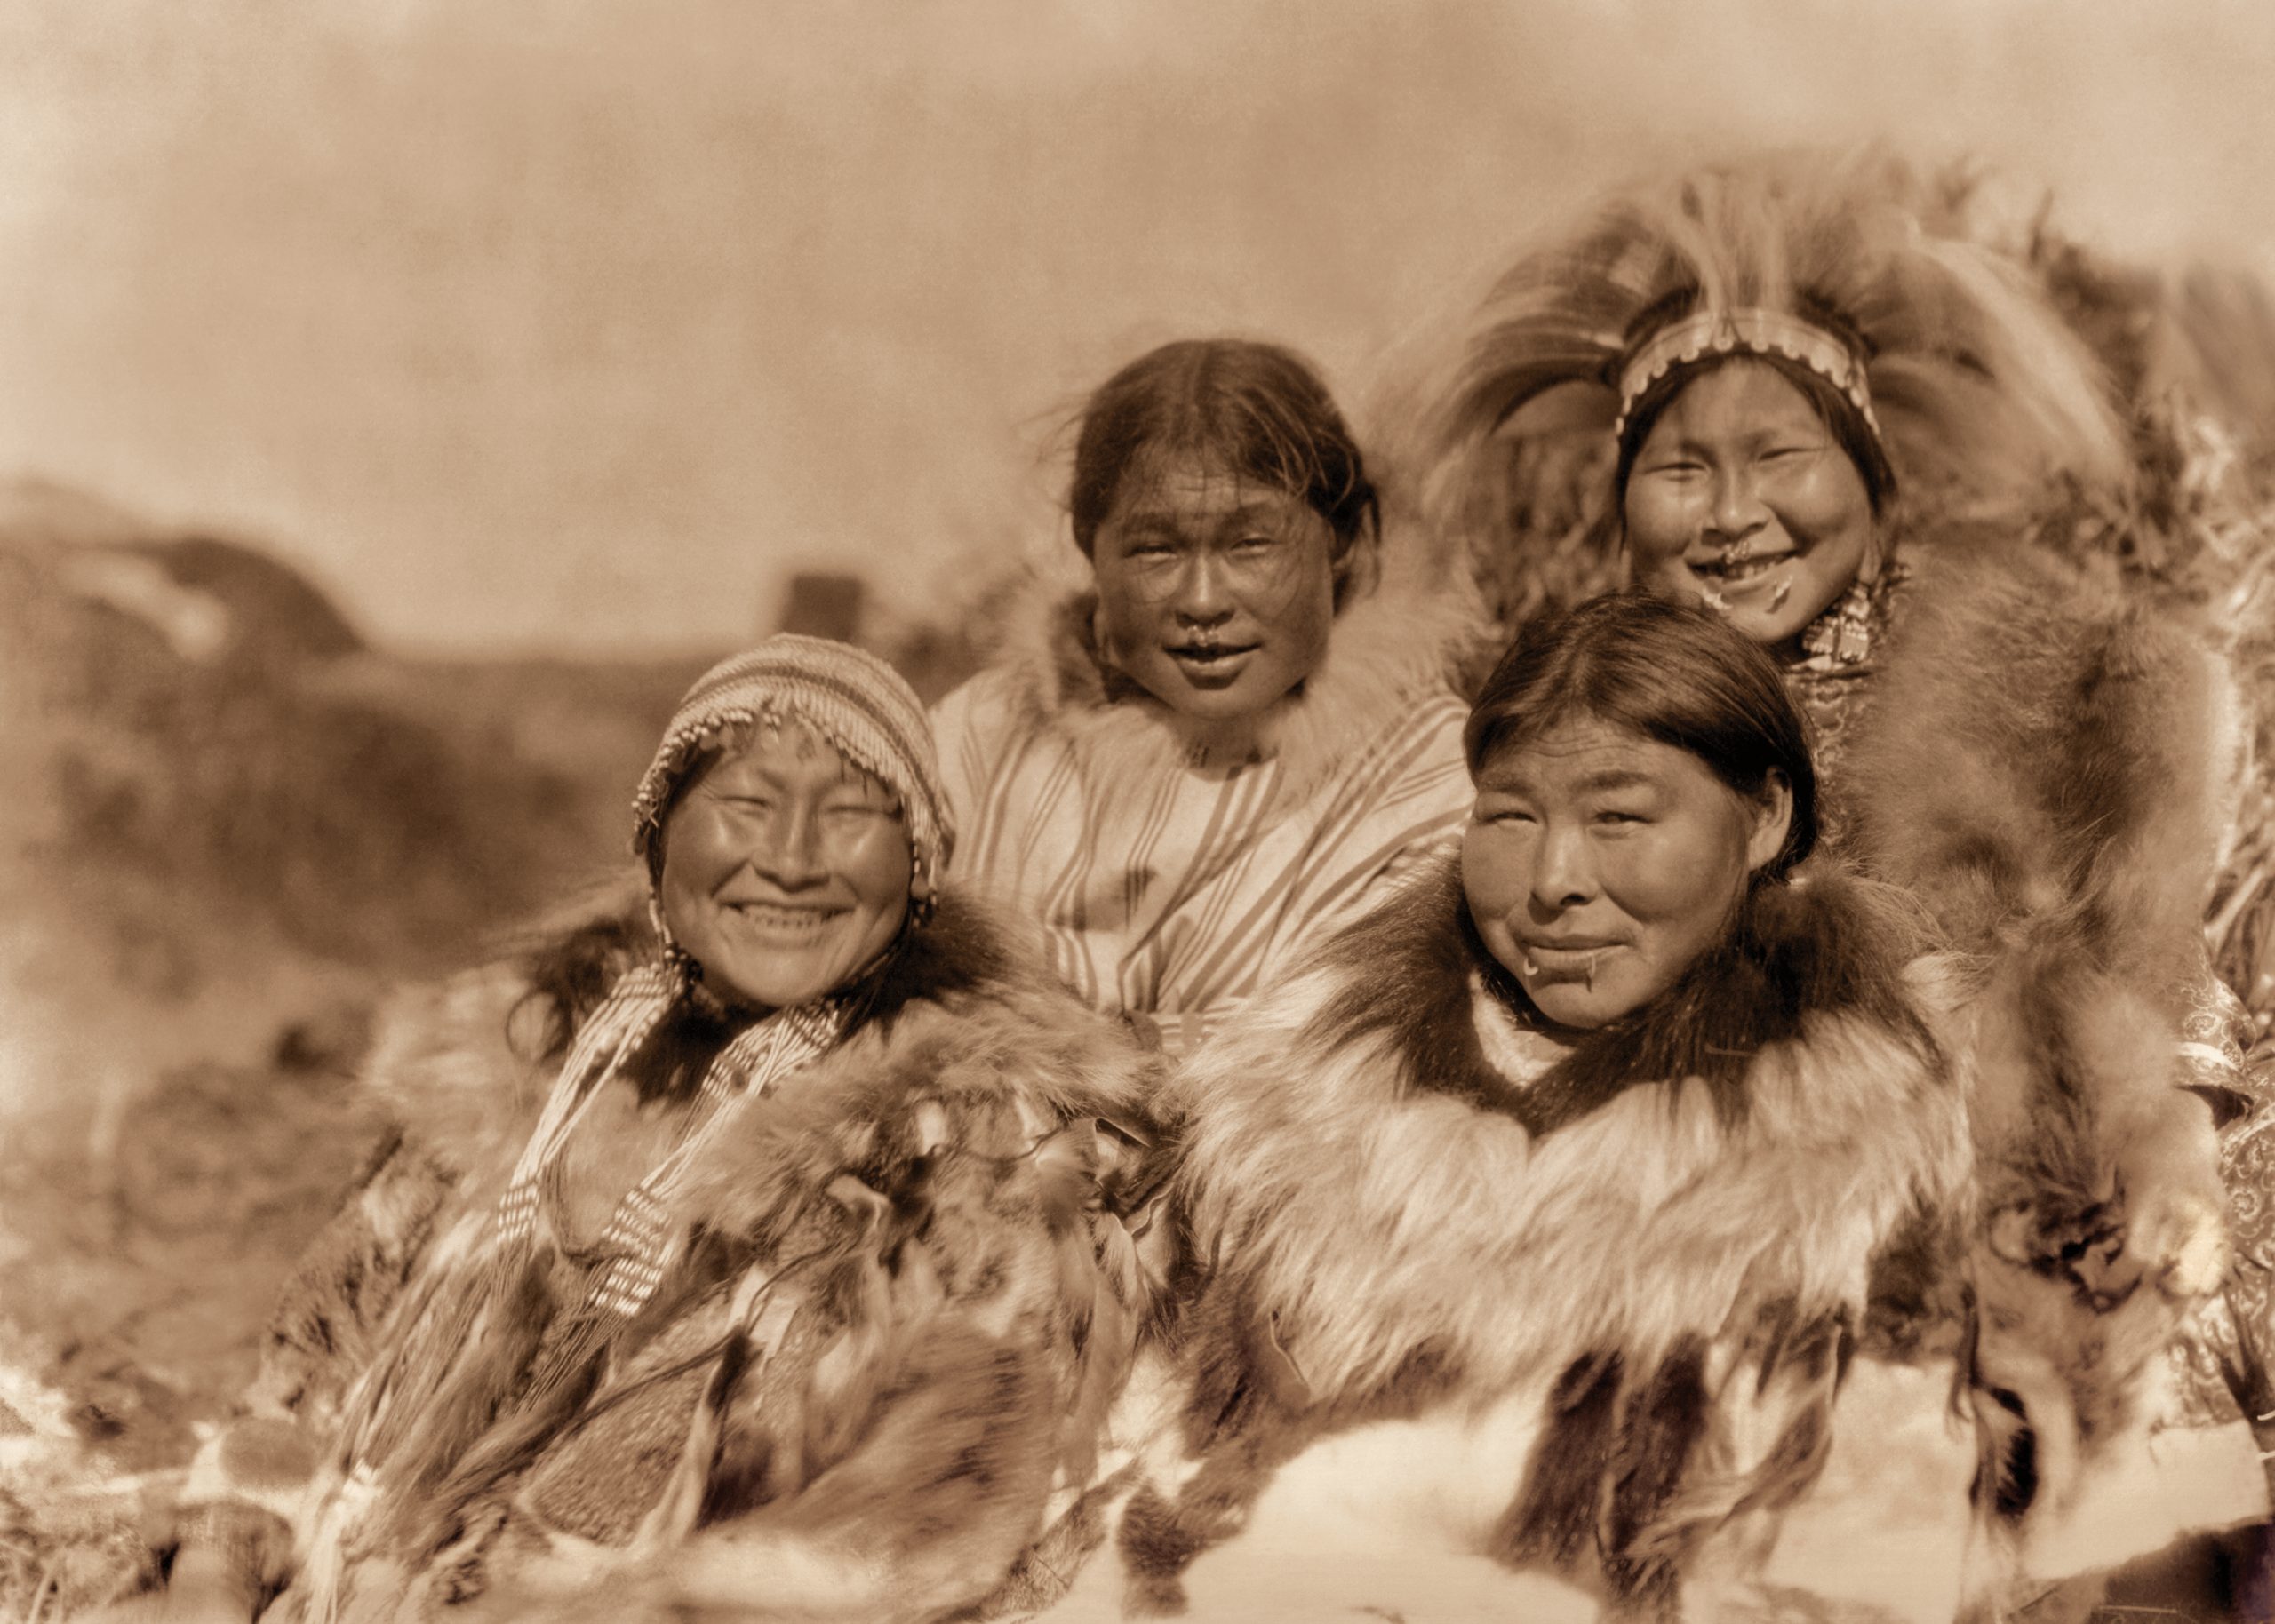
x=1756 y=332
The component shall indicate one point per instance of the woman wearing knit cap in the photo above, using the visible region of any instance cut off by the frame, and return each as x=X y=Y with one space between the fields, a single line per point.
x=1830 y=427
x=1235 y=725
x=779 y=1269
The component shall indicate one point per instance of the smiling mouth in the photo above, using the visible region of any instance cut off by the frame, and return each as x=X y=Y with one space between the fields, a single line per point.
x=784 y=918
x=1212 y=665
x=1566 y=961
x=1739 y=574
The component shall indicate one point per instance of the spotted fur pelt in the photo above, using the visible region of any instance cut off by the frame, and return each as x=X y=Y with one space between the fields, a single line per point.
x=874 y=1378
x=1649 y=1259
x=2048 y=765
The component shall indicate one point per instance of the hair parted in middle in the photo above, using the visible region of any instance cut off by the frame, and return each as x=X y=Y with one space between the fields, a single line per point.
x=1258 y=412
x=1674 y=673
x=1941 y=369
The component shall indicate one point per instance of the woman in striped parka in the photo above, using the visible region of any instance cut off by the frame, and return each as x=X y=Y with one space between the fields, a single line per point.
x=1227 y=735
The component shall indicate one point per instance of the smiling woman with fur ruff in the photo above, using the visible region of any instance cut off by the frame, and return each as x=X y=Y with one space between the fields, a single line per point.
x=779 y=1274
x=1564 y=1172
x=1224 y=742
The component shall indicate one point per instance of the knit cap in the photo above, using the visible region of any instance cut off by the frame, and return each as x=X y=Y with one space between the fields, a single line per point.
x=852 y=699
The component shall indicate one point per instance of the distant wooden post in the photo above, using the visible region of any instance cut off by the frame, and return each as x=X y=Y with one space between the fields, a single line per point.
x=824 y=603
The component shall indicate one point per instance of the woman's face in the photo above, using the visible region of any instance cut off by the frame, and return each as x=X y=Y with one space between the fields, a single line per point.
x=1215 y=594
x=785 y=870
x=1740 y=497
x=1599 y=865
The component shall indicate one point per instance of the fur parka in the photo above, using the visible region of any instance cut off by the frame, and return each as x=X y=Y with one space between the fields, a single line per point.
x=1638 y=1263
x=872 y=1383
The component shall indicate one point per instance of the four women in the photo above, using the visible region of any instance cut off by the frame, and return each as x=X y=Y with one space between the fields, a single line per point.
x=790 y=1265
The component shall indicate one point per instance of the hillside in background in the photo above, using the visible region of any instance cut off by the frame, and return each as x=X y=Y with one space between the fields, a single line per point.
x=231 y=825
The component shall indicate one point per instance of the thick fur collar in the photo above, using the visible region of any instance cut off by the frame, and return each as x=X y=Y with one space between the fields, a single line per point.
x=463 y=1066
x=1794 y=954
x=1403 y=638
x=1367 y=1179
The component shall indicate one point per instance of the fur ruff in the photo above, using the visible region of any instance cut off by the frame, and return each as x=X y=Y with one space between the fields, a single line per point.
x=941 y=1197
x=1420 y=1176
x=1388 y=1221
x=1405 y=637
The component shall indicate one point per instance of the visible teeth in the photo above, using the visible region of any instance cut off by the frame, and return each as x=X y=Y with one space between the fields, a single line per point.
x=783 y=918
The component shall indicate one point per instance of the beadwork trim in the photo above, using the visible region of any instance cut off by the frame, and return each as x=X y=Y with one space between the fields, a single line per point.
x=1756 y=332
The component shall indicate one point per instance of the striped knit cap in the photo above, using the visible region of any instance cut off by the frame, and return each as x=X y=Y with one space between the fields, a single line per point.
x=850 y=698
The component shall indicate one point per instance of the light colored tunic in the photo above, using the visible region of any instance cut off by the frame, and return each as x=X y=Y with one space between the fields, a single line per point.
x=1177 y=894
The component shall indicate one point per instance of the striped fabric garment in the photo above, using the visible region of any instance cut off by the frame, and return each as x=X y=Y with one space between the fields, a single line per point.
x=1179 y=896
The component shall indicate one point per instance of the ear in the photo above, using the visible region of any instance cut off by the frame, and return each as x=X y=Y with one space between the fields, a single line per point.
x=1772 y=812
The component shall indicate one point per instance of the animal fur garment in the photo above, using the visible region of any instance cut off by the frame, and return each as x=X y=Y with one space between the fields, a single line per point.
x=876 y=1372
x=1653 y=1249
x=2047 y=764
x=1176 y=867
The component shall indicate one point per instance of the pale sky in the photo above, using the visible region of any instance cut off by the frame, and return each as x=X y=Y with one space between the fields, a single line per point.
x=572 y=324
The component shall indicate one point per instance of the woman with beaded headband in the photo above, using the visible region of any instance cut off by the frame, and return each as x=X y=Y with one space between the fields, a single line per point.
x=1832 y=426
x=773 y=1262
x=1223 y=730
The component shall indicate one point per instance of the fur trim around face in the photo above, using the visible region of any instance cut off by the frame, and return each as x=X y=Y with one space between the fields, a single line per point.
x=1394 y=1214
x=1406 y=638
x=1380 y=1196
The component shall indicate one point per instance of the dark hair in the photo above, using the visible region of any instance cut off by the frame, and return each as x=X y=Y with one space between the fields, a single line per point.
x=1671 y=673
x=1257 y=411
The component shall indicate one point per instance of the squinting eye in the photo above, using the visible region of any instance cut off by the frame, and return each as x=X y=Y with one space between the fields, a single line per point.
x=1620 y=818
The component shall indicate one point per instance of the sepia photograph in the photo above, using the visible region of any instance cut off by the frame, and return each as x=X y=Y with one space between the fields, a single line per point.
x=1095 y=810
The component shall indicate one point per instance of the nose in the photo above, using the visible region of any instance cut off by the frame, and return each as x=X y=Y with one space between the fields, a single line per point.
x=790 y=854
x=1738 y=510
x=1202 y=599
x=1563 y=870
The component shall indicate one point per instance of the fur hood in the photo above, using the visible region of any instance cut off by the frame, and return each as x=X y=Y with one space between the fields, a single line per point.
x=1368 y=1177
x=1402 y=637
